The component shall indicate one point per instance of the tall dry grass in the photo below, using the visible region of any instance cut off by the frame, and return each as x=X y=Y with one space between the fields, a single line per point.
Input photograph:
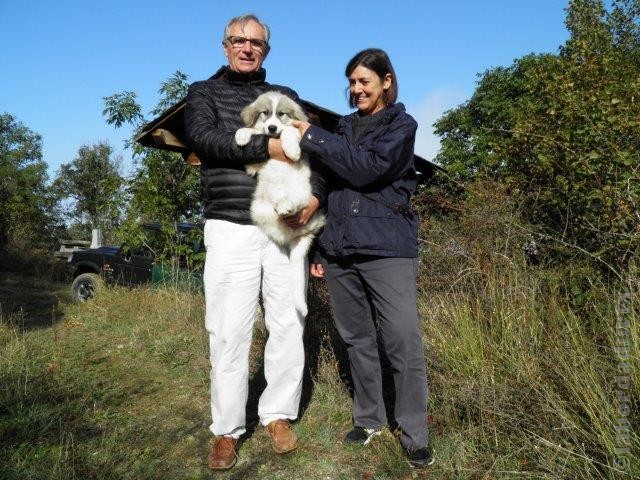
x=522 y=358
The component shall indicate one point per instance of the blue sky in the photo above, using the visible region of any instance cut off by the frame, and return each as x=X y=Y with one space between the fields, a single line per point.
x=59 y=58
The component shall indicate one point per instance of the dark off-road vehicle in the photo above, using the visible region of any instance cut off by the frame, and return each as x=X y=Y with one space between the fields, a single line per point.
x=92 y=268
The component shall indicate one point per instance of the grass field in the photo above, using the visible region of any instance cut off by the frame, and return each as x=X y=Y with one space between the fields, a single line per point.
x=523 y=385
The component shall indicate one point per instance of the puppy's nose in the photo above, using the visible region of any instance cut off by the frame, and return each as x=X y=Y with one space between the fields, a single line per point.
x=272 y=129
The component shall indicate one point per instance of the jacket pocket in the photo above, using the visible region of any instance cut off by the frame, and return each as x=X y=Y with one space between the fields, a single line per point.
x=373 y=227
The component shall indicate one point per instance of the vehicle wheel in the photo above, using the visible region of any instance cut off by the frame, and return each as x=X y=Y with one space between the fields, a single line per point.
x=85 y=286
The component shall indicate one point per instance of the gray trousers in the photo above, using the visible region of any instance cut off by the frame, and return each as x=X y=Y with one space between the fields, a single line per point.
x=390 y=284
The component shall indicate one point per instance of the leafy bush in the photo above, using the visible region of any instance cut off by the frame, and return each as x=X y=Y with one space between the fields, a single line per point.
x=560 y=132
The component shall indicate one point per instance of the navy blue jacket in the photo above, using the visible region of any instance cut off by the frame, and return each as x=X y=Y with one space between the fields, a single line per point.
x=368 y=210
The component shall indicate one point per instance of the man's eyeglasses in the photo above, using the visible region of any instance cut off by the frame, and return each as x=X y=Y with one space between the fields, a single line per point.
x=256 y=43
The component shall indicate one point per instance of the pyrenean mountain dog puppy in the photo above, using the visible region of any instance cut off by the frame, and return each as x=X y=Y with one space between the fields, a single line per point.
x=283 y=188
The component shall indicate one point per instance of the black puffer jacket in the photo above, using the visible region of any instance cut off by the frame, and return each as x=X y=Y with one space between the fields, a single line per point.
x=212 y=117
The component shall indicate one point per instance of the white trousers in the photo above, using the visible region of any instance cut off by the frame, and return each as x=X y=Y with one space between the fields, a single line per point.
x=240 y=260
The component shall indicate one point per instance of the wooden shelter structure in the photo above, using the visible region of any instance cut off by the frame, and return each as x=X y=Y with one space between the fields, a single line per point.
x=166 y=132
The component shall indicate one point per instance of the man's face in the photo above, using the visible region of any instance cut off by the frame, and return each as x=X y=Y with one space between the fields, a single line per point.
x=244 y=57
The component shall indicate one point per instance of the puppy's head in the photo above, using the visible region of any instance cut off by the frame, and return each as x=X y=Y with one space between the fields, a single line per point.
x=270 y=112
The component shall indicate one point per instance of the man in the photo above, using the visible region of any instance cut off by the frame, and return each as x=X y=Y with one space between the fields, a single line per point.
x=241 y=261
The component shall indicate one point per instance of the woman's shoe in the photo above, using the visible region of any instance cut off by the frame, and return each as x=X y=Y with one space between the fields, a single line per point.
x=361 y=435
x=421 y=457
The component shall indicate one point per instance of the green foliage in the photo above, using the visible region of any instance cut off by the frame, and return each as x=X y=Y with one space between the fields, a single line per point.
x=172 y=91
x=92 y=180
x=27 y=206
x=561 y=133
x=121 y=108
x=163 y=188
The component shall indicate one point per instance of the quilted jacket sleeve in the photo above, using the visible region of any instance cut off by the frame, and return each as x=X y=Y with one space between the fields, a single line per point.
x=211 y=143
x=381 y=161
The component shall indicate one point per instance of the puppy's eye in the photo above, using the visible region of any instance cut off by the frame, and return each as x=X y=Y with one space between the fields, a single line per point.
x=282 y=114
x=265 y=112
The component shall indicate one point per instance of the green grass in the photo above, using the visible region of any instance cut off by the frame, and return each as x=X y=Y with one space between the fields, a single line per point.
x=521 y=387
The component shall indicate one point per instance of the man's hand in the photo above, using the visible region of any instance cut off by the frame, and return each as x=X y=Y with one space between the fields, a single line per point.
x=276 y=152
x=316 y=270
x=301 y=126
x=301 y=218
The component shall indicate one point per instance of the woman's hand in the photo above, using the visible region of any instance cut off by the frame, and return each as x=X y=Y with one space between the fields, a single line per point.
x=301 y=126
x=316 y=270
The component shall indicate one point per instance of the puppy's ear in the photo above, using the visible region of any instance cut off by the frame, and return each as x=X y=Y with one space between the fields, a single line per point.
x=298 y=113
x=249 y=114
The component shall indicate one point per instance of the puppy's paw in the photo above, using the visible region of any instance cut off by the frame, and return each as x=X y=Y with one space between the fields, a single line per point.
x=290 y=138
x=292 y=152
x=284 y=207
x=243 y=135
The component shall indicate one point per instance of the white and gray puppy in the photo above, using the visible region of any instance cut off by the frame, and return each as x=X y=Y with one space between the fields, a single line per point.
x=283 y=188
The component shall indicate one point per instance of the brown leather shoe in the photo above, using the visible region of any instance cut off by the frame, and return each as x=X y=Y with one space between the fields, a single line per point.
x=283 y=438
x=223 y=453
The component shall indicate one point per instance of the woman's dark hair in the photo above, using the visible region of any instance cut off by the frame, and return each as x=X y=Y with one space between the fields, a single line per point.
x=378 y=61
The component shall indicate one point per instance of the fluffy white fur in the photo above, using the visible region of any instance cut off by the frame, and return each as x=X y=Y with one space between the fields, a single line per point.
x=283 y=188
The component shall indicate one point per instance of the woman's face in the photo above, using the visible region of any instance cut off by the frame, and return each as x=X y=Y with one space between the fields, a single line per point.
x=367 y=88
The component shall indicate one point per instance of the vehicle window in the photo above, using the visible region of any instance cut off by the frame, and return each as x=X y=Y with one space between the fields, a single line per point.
x=142 y=252
x=137 y=251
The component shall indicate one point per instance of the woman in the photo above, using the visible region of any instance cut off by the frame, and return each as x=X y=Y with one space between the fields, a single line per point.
x=369 y=249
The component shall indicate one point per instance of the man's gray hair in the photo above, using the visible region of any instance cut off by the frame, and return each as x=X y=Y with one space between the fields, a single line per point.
x=242 y=20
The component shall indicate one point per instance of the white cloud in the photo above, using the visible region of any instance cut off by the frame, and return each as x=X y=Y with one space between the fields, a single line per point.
x=434 y=104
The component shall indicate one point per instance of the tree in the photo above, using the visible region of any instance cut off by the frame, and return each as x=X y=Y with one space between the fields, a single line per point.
x=561 y=132
x=163 y=188
x=27 y=205
x=92 y=180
